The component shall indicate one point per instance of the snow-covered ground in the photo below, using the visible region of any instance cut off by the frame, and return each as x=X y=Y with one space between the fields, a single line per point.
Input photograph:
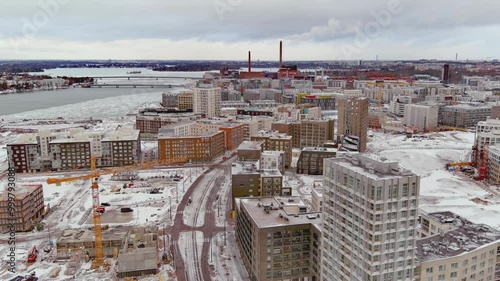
x=441 y=190
x=192 y=241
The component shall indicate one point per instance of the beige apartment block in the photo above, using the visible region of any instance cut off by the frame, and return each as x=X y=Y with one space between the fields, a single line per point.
x=460 y=251
x=370 y=210
x=278 y=239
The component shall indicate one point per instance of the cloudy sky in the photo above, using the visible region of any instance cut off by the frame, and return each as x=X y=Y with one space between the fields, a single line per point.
x=228 y=29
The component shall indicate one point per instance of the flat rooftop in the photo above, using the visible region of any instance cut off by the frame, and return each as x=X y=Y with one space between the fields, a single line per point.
x=270 y=173
x=21 y=191
x=192 y=136
x=465 y=237
x=281 y=211
x=320 y=149
x=370 y=165
x=245 y=167
x=469 y=106
x=58 y=141
x=491 y=122
x=250 y=145
x=272 y=153
x=123 y=135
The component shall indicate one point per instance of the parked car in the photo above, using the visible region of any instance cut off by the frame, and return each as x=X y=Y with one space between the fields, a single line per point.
x=126 y=210
x=105 y=204
x=101 y=209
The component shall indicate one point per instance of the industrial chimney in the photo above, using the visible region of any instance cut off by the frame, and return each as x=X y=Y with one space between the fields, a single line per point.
x=249 y=62
x=281 y=54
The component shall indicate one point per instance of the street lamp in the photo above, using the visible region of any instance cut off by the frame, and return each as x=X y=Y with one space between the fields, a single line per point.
x=170 y=209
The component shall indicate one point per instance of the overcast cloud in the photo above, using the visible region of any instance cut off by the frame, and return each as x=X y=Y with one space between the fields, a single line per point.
x=227 y=29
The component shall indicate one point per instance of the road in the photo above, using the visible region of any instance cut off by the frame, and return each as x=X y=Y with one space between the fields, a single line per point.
x=195 y=224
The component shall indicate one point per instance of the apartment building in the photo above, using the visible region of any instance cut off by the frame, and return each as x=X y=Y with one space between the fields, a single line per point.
x=493 y=164
x=234 y=134
x=291 y=128
x=316 y=132
x=398 y=103
x=169 y=100
x=121 y=148
x=421 y=117
x=69 y=154
x=235 y=104
x=353 y=119
x=459 y=250
x=29 y=208
x=309 y=112
x=370 y=219
x=150 y=122
x=250 y=150
x=323 y=101
x=278 y=239
x=23 y=154
x=272 y=160
x=317 y=197
x=376 y=119
x=485 y=141
x=185 y=101
x=271 y=182
x=274 y=141
x=311 y=159
x=465 y=115
x=207 y=101
x=245 y=180
x=44 y=138
x=203 y=147
x=488 y=126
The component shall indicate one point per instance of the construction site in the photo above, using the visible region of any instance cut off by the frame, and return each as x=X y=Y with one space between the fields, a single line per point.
x=115 y=228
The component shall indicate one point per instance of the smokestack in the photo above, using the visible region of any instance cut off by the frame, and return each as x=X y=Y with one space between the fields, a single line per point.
x=249 y=62
x=281 y=54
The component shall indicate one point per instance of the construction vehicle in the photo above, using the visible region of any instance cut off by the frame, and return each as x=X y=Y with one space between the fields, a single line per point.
x=94 y=175
x=33 y=255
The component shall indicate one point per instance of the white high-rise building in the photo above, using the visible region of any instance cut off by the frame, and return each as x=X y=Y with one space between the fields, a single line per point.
x=370 y=219
x=207 y=100
x=421 y=117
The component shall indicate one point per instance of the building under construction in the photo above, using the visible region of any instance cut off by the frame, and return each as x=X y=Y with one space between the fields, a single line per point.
x=136 y=249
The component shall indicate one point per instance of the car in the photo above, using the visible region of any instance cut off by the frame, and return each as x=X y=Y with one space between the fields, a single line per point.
x=126 y=210
x=177 y=179
x=101 y=209
x=105 y=204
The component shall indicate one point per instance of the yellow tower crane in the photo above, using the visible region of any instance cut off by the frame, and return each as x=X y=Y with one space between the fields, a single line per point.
x=380 y=85
x=94 y=176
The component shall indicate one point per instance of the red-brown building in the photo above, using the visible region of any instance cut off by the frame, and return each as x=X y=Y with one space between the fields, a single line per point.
x=23 y=156
x=28 y=209
x=201 y=147
x=234 y=134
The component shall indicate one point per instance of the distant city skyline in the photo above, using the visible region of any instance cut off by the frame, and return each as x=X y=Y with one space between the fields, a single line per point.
x=228 y=29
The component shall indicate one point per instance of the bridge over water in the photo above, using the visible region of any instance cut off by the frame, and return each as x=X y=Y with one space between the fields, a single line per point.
x=128 y=77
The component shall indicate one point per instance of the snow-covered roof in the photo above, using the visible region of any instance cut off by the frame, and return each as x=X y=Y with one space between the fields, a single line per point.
x=465 y=237
x=250 y=145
